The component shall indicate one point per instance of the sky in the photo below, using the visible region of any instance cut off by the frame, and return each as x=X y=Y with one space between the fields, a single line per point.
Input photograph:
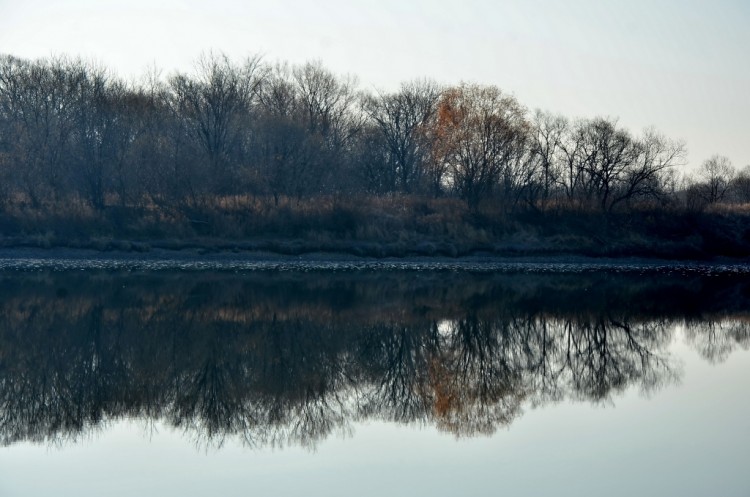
x=681 y=66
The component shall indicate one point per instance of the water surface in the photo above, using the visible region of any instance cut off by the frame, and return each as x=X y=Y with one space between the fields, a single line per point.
x=117 y=379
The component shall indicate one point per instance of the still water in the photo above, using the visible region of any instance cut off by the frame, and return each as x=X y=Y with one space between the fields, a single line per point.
x=396 y=381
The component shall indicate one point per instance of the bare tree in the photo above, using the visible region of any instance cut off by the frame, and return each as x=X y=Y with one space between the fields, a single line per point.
x=36 y=102
x=101 y=134
x=286 y=155
x=215 y=106
x=607 y=155
x=648 y=176
x=546 y=147
x=304 y=129
x=741 y=186
x=155 y=172
x=374 y=171
x=599 y=163
x=333 y=118
x=403 y=120
x=482 y=133
x=716 y=175
x=329 y=103
x=572 y=178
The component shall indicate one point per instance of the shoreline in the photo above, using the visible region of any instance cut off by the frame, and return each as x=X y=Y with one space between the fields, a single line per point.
x=193 y=258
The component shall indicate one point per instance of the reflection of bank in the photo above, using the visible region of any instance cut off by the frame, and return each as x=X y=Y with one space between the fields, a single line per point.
x=289 y=359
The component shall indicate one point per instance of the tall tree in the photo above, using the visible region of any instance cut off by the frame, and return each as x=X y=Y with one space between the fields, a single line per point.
x=333 y=118
x=403 y=119
x=37 y=101
x=546 y=148
x=716 y=174
x=215 y=105
x=482 y=133
x=607 y=153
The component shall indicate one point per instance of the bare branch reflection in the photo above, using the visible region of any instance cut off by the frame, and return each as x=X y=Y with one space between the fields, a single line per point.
x=289 y=359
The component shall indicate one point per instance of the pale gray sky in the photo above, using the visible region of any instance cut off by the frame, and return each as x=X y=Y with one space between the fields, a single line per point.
x=679 y=65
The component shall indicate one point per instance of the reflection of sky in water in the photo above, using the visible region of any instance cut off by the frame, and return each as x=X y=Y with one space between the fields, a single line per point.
x=686 y=439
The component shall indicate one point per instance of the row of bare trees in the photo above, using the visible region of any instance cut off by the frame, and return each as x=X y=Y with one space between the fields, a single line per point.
x=69 y=128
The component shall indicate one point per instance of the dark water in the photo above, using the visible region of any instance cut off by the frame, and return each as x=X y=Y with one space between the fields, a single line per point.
x=124 y=380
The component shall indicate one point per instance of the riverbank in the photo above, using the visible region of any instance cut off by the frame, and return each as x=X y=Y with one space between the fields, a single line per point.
x=421 y=228
x=157 y=261
x=304 y=250
x=574 y=248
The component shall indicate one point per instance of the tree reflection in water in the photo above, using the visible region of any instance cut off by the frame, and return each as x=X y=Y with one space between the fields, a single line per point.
x=278 y=358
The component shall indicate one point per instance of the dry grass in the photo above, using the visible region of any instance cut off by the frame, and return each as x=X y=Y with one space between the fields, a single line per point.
x=376 y=226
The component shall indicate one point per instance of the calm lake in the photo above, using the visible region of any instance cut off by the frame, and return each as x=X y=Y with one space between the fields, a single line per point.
x=338 y=379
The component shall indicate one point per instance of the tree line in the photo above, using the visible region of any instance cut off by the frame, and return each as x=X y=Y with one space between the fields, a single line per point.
x=73 y=130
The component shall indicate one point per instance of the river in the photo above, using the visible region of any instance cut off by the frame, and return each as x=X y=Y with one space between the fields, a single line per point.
x=124 y=377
